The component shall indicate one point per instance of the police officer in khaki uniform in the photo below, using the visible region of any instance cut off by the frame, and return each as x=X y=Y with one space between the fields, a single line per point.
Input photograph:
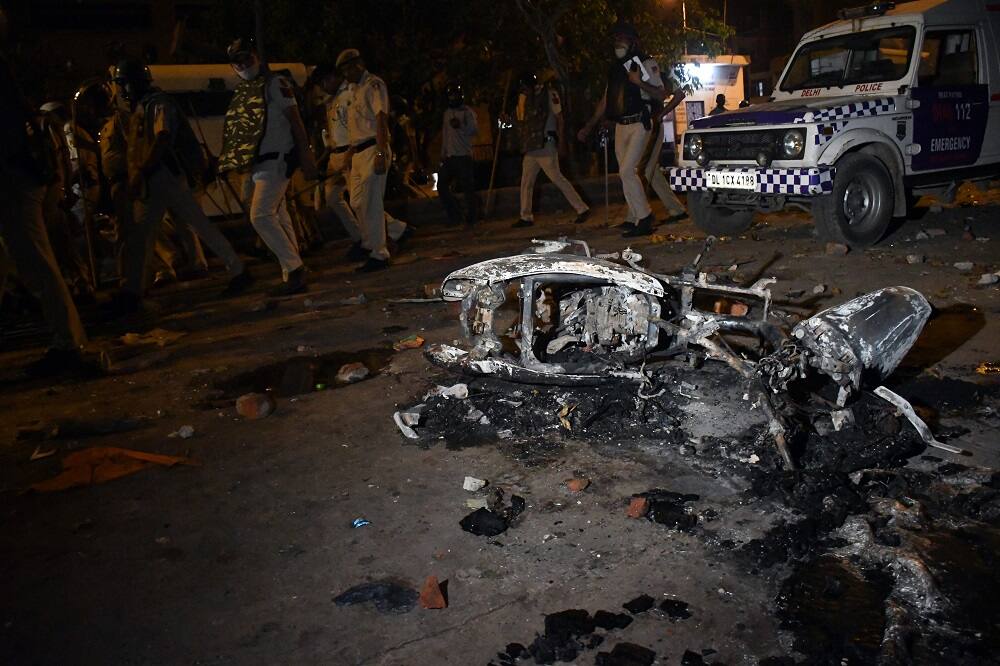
x=368 y=131
x=280 y=145
x=338 y=169
x=159 y=181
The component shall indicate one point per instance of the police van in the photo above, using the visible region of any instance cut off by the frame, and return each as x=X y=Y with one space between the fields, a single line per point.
x=872 y=111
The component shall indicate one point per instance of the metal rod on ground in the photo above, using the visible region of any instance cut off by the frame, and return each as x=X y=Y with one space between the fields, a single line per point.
x=488 y=209
x=607 y=198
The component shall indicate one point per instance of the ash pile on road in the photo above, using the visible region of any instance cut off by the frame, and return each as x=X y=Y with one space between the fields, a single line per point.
x=492 y=410
x=885 y=557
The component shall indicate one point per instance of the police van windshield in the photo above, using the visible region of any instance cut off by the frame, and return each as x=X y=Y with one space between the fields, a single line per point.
x=861 y=57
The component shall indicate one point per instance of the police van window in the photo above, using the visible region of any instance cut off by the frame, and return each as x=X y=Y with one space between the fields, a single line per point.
x=949 y=58
x=864 y=57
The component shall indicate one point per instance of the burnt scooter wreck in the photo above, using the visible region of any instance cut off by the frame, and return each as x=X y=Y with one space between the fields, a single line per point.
x=585 y=320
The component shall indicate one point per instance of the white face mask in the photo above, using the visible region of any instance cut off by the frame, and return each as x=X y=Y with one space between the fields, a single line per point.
x=249 y=73
x=621 y=51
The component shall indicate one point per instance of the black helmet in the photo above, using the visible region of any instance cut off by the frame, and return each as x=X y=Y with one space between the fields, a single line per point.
x=625 y=29
x=455 y=95
x=131 y=71
x=133 y=79
x=240 y=49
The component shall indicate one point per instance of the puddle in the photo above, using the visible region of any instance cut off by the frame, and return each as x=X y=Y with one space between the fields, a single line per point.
x=302 y=374
x=836 y=612
x=948 y=329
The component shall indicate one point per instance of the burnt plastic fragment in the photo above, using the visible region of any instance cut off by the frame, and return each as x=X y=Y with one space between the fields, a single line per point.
x=675 y=609
x=388 y=596
x=573 y=622
x=609 y=621
x=515 y=650
x=640 y=604
x=626 y=654
x=483 y=522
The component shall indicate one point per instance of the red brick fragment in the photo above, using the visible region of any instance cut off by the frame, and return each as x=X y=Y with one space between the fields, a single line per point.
x=431 y=595
x=254 y=405
x=577 y=485
x=638 y=507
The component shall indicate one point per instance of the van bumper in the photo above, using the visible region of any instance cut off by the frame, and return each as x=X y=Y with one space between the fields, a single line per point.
x=806 y=182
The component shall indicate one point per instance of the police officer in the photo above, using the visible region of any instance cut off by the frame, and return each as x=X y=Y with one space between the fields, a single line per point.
x=264 y=135
x=163 y=158
x=338 y=168
x=26 y=167
x=459 y=126
x=631 y=100
x=539 y=122
x=370 y=154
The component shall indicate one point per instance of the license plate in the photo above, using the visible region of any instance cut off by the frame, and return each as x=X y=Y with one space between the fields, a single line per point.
x=730 y=180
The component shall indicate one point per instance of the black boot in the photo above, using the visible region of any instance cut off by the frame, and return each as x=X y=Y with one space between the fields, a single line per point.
x=296 y=284
x=643 y=228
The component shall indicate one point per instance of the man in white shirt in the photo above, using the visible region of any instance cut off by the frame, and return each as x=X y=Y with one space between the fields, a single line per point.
x=283 y=146
x=458 y=128
x=370 y=155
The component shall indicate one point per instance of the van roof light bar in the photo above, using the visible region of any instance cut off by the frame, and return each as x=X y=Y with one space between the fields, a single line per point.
x=874 y=9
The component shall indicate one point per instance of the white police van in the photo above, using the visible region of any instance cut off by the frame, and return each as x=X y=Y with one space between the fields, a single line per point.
x=873 y=110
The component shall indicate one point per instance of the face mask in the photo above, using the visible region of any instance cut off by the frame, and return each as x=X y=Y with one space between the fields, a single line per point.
x=621 y=52
x=249 y=73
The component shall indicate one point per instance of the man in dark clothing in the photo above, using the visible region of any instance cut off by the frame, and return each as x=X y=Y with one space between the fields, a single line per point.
x=720 y=105
x=459 y=126
x=27 y=167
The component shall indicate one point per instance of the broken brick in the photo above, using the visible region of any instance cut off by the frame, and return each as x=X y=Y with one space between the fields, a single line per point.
x=837 y=249
x=431 y=595
x=254 y=405
x=739 y=309
x=577 y=485
x=638 y=507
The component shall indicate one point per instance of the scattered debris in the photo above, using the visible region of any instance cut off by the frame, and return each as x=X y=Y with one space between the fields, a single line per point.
x=907 y=409
x=577 y=485
x=668 y=508
x=915 y=259
x=38 y=454
x=360 y=299
x=626 y=654
x=433 y=290
x=157 y=336
x=921 y=235
x=675 y=609
x=100 y=464
x=472 y=484
x=432 y=594
x=388 y=596
x=483 y=522
x=352 y=372
x=963 y=266
x=819 y=289
x=184 y=432
x=640 y=604
x=409 y=342
x=988 y=368
x=255 y=406
x=837 y=249
x=477 y=503
x=496 y=517
x=458 y=391
x=406 y=419
x=638 y=507
x=360 y=522
x=934 y=233
x=988 y=279
x=610 y=621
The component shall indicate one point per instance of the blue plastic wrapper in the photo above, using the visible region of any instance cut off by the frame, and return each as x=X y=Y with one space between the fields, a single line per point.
x=361 y=522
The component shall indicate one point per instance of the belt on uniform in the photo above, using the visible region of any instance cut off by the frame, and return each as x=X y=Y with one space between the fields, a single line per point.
x=364 y=145
x=630 y=120
x=267 y=157
x=341 y=149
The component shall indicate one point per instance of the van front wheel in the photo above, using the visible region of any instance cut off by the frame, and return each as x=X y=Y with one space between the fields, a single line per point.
x=859 y=210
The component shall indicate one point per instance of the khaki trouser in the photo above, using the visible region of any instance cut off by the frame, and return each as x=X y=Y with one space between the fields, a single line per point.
x=367 y=193
x=545 y=159
x=630 y=144
x=27 y=240
x=167 y=192
x=654 y=175
x=264 y=192
x=338 y=173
